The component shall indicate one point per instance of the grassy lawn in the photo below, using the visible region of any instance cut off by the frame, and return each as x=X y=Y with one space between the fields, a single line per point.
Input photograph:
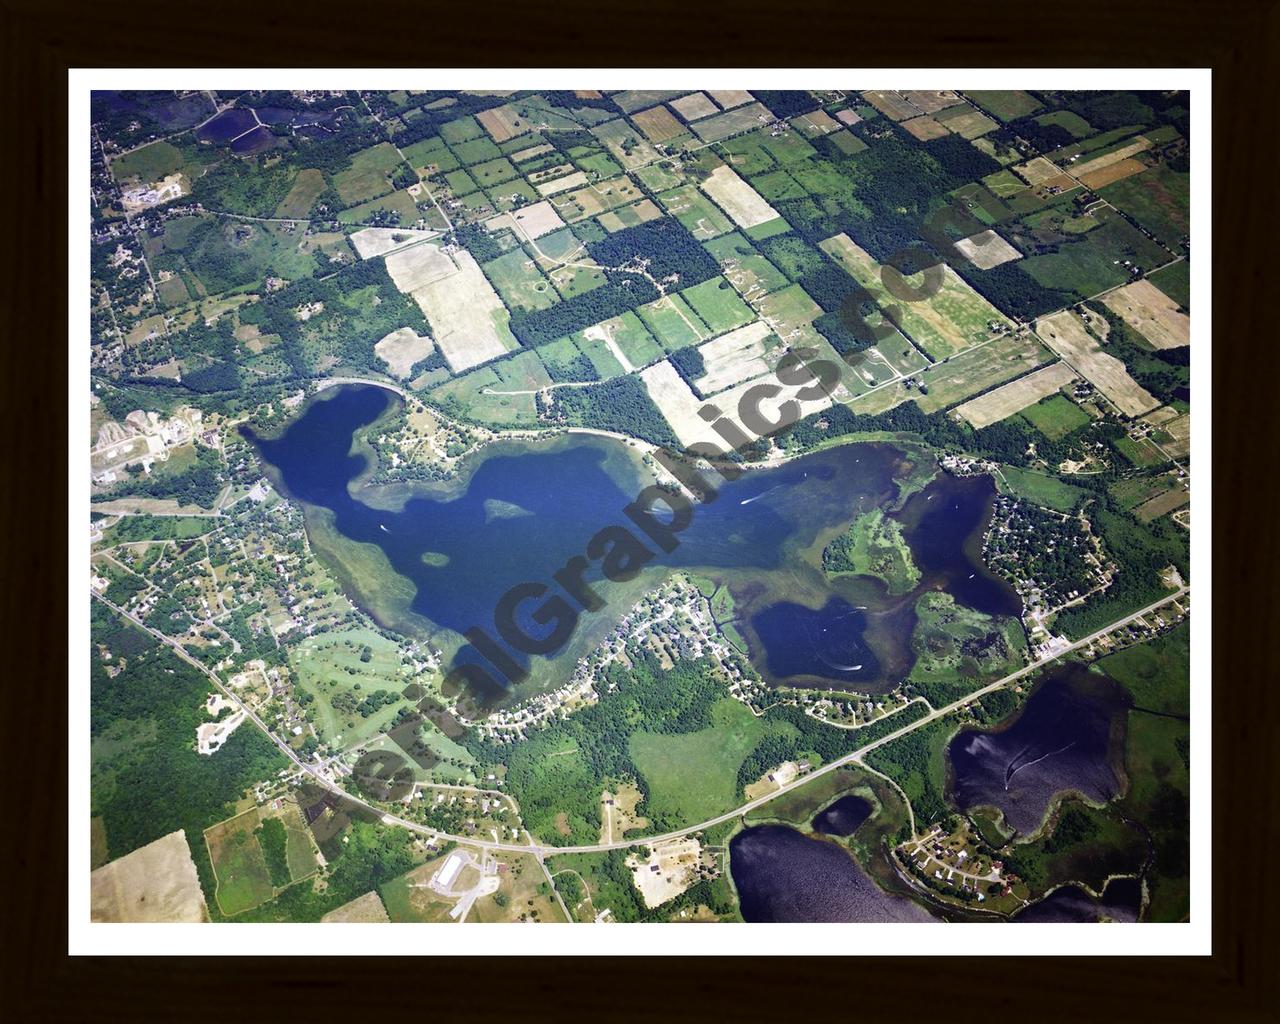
x=694 y=776
x=369 y=174
x=333 y=670
x=1039 y=488
x=1055 y=416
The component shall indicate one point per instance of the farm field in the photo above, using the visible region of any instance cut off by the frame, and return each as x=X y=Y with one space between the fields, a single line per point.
x=238 y=863
x=368 y=176
x=1152 y=313
x=157 y=882
x=1055 y=416
x=1006 y=104
x=696 y=212
x=949 y=321
x=1066 y=335
x=969 y=373
x=743 y=203
x=733 y=358
x=1010 y=398
x=468 y=320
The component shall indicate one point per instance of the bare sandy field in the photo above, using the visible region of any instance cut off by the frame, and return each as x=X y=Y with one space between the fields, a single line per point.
x=1138 y=145
x=730 y=98
x=987 y=249
x=401 y=350
x=558 y=185
x=366 y=909
x=694 y=106
x=1014 y=397
x=733 y=358
x=1037 y=171
x=371 y=242
x=931 y=100
x=680 y=406
x=1112 y=173
x=529 y=221
x=925 y=128
x=419 y=266
x=1152 y=313
x=658 y=124
x=1066 y=335
x=892 y=104
x=739 y=200
x=157 y=882
x=468 y=320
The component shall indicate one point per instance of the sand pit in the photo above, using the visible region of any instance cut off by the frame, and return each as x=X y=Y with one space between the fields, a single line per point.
x=1152 y=313
x=155 y=883
x=738 y=199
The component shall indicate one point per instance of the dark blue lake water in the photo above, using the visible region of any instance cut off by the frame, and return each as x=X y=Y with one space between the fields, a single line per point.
x=525 y=509
x=1065 y=739
x=1121 y=901
x=843 y=817
x=783 y=875
x=227 y=125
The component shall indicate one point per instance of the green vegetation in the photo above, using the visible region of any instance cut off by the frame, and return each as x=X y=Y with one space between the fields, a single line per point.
x=917 y=763
x=958 y=649
x=693 y=776
x=1055 y=416
x=274 y=840
x=873 y=546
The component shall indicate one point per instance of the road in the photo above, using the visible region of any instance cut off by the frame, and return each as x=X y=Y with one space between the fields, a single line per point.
x=541 y=851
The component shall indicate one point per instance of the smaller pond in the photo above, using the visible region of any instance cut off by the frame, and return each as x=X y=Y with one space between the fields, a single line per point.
x=227 y=125
x=843 y=817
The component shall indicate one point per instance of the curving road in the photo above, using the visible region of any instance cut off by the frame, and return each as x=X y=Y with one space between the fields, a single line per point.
x=540 y=851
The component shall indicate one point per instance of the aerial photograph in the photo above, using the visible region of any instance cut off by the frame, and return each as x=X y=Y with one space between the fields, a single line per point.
x=632 y=506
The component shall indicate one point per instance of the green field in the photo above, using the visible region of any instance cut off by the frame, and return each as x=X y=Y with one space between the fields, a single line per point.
x=696 y=212
x=475 y=151
x=693 y=776
x=1069 y=120
x=369 y=175
x=1159 y=199
x=1006 y=104
x=148 y=164
x=1088 y=264
x=518 y=280
x=333 y=670
x=239 y=864
x=1055 y=416
x=672 y=322
x=493 y=172
x=461 y=130
x=633 y=339
x=1039 y=488
x=950 y=320
x=718 y=305
x=305 y=190
x=747 y=270
x=1175 y=282
x=400 y=203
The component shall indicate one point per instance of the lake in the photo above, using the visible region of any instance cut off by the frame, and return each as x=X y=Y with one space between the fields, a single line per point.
x=1066 y=739
x=843 y=817
x=441 y=556
x=783 y=875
